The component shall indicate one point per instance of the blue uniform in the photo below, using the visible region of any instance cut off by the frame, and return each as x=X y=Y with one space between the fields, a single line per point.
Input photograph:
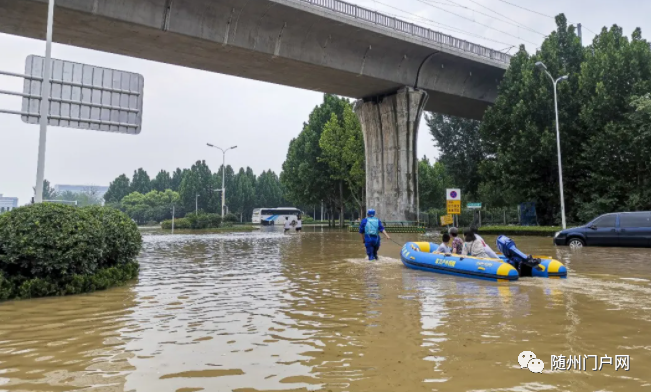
x=372 y=242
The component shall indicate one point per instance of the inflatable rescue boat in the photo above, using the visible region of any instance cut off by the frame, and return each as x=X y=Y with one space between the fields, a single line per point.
x=511 y=264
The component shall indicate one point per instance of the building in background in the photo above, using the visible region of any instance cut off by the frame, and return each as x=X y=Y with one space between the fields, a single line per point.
x=98 y=191
x=7 y=203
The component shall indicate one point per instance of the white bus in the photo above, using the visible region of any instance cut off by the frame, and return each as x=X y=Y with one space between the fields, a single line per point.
x=269 y=216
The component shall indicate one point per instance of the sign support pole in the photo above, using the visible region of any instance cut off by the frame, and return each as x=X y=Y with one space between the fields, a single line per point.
x=45 y=105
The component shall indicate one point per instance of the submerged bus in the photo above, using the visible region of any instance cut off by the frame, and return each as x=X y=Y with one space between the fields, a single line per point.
x=269 y=216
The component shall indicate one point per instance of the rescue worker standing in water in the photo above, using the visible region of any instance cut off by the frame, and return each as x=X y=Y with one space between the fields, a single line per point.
x=370 y=229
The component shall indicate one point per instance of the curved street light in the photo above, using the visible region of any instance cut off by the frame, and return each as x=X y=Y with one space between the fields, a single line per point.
x=540 y=64
x=223 y=172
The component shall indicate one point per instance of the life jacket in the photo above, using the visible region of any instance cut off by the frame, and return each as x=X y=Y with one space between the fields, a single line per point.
x=372 y=226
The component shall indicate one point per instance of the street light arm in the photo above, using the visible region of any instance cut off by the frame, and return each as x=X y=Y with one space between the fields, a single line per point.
x=213 y=146
x=550 y=77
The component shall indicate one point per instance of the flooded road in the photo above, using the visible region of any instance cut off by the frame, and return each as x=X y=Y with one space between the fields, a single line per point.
x=265 y=311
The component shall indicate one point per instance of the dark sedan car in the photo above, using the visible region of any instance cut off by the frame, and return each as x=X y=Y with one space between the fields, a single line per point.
x=617 y=229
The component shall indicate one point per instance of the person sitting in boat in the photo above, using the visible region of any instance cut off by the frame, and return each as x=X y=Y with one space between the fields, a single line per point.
x=370 y=229
x=445 y=245
x=487 y=248
x=457 y=242
x=473 y=247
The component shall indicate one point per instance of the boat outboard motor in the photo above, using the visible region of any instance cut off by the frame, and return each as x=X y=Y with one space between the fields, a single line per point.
x=522 y=262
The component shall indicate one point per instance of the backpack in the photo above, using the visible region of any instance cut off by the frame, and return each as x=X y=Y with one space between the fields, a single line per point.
x=372 y=226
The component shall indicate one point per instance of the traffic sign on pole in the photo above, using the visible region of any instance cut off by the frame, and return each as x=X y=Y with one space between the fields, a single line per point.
x=447 y=220
x=454 y=207
x=84 y=96
x=453 y=194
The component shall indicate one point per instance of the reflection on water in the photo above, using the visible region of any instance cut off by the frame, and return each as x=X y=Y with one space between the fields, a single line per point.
x=265 y=311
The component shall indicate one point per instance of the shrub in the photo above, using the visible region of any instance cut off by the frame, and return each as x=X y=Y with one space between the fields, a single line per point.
x=179 y=223
x=193 y=221
x=54 y=249
x=48 y=239
x=122 y=238
x=307 y=219
x=232 y=218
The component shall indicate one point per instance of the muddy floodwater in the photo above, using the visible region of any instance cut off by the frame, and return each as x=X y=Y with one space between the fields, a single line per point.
x=264 y=311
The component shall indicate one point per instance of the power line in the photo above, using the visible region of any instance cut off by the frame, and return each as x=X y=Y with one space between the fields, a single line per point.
x=586 y=27
x=527 y=9
x=474 y=21
x=504 y=16
x=441 y=24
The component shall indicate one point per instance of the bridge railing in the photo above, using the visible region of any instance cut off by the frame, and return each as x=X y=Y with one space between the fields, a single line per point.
x=377 y=18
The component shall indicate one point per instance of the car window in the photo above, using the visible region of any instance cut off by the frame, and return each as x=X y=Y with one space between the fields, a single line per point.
x=635 y=219
x=606 y=221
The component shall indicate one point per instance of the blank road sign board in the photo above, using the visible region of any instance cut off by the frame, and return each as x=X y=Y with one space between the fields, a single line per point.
x=84 y=96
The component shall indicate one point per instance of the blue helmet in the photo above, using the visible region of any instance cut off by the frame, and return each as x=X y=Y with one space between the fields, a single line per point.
x=371 y=212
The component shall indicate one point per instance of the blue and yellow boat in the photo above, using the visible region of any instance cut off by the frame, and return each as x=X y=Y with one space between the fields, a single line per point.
x=423 y=256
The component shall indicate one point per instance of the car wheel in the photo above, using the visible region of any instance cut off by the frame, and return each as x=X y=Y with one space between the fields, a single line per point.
x=576 y=243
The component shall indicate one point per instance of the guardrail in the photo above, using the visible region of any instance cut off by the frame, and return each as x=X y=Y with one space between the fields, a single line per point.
x=394 y=223
x=390 y=22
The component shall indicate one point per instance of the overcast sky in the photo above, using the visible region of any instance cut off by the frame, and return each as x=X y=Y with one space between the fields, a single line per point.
x=185 y=108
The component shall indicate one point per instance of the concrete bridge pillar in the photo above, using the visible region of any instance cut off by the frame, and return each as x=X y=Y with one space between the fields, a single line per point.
x=390 y=127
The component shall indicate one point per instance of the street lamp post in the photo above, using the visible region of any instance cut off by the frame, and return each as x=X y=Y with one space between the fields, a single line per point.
x=539 y=64
x=196 y=205
x=223 y=173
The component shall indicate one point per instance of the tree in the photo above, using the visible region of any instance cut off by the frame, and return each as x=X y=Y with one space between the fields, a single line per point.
x=461 y=149
x=268 y=190
x=433 y=180
x=118 y=188
x=140 y=182
x=242 y=200
x=615 y=112
x=601 y=106
x=134 y=205
x=518 y=133
x=154 y=206
x=200 y=181
x=177 y=178
x=342 y=145
x=307 y=179
x=162 y=182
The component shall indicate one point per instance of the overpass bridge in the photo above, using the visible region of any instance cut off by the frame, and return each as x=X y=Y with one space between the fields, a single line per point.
x=396 y=69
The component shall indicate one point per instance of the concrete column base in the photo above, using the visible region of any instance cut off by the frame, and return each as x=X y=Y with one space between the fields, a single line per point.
x=390 y=127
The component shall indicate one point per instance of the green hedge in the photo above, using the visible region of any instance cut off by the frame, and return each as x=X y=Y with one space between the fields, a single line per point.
x=232 y=218
x=54 y=249
x=192 y=221
x=544 y=231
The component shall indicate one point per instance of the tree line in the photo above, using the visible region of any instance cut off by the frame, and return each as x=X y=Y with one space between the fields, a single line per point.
x=147 y=199
x=605 y=127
